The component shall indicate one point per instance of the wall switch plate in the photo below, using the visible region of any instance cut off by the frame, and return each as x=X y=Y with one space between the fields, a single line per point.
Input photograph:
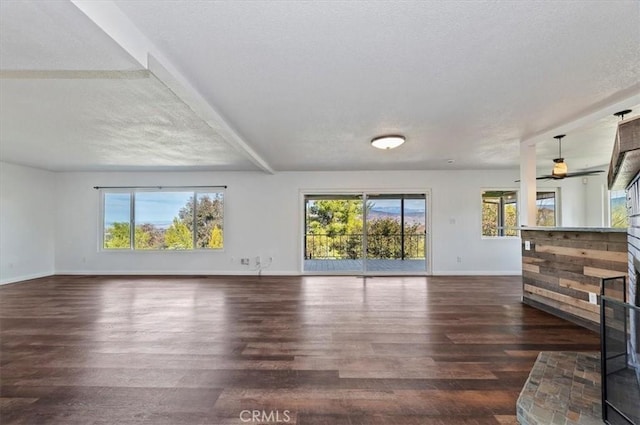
x=593 y=298
x=527 y=245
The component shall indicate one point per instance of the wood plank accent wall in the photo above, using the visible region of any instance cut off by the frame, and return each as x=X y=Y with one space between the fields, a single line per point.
x=563 y=266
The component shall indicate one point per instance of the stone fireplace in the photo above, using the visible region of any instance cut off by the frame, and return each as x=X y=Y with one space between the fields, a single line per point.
x=633 y=295
x=624 y=173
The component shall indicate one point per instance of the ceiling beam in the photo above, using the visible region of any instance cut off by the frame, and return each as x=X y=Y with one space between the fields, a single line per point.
x=108 y=17
x=58 y=74
x=624 y=99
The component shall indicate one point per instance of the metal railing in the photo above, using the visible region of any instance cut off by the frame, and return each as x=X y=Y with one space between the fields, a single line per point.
x=340 y=247
x=620 y=355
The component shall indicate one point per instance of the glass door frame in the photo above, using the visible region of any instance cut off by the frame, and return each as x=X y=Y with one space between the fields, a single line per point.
x=363 y=194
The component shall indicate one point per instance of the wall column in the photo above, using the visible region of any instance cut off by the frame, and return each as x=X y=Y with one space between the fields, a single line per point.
x=527 y=184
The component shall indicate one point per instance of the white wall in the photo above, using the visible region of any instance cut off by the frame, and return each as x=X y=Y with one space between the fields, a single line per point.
x=573 y=200
x=597 y=201
x=27 y=213
x=583 y=200
x=263 y=217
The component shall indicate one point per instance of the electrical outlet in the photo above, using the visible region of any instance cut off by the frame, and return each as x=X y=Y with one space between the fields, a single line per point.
x=527 y=245
x=459 y=259
x=593 y=298
x=258 y=261
x=244 y=261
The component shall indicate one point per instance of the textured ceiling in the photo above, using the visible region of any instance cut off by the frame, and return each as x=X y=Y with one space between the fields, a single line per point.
x=46 y=35
x=107 y=124
x=586 y=148
x=307 y=84
x=72 y=99
x=310 y=83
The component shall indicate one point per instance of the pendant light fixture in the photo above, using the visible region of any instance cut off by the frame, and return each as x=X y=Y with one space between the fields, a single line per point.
x=560 y=167
x=387 y=142
x=560 y=170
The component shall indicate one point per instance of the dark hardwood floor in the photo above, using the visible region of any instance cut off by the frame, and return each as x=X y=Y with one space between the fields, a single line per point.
x=313 y=350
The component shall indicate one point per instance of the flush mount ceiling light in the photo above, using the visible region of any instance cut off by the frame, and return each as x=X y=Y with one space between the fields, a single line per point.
x=387 y=142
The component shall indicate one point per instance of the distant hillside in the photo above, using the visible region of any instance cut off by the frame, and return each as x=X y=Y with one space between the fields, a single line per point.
x=410 y=216
x=619 y=202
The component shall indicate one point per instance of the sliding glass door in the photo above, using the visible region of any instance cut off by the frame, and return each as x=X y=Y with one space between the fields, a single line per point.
x=396 y=233
x=365 y=233
x=333 y=234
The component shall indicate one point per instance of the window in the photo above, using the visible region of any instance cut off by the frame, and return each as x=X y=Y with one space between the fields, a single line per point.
x=499 y=213
x=618 y=208
x=546 y=209
x=162 y=220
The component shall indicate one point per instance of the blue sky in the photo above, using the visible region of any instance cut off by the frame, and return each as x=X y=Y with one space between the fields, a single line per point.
x=157 y=208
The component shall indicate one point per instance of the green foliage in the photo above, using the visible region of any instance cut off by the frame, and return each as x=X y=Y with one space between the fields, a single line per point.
x=209 y=222
x=384 y=239
x=489 y=218
x=545 y=217
x=619 y=216
x=510 y=220
x=216 y=240
x=118 y=236
x=546 y=209
x=335 y=227
x=149 y=237
x=209 y=214
x=335 y=217
x=338 y=226
x=178 y=236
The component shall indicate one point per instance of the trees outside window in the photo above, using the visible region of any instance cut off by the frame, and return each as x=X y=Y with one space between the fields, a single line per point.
x=335 y=227
x=618 y=207
x=163 y=220
x=499 y=213
x=546 y=208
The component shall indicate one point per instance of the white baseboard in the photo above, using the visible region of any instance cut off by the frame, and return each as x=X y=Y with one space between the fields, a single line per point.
x=477 y=273
x=227 y=273
x=24 y=278
x=175 y=273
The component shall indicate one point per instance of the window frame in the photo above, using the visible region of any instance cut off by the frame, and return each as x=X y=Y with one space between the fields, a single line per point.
x=195 y=192
x=610 y=209
x=556 y=206
x=502 y=228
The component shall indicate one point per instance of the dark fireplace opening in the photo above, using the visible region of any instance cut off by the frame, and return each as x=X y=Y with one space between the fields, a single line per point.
x=620 y=356
x=634 y=294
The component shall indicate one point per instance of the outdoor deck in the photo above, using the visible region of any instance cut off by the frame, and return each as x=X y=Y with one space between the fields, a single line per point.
x=401 y=266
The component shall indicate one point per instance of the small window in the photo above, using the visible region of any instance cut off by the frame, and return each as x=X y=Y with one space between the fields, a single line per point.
x=618 y=208
x=163 y=220
x=499 y=213
x=546 y=209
